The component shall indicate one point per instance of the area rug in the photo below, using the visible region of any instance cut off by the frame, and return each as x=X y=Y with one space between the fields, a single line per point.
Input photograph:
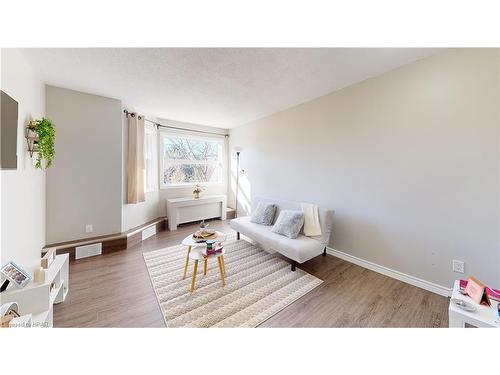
x=258 y=285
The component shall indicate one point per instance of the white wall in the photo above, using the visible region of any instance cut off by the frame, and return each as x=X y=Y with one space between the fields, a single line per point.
x=179 y=192
x=137 y=214
x=409 y=161
x=22 y=190
x=84 y=184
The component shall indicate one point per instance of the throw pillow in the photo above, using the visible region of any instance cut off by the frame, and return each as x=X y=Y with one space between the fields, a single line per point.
x=289 y=223
x=264 y=213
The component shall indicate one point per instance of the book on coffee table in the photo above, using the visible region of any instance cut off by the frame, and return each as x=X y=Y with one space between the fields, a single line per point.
x=215 y=251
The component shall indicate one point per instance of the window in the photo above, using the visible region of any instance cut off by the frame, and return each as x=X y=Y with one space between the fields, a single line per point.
x=148 y=160
x=191 y=160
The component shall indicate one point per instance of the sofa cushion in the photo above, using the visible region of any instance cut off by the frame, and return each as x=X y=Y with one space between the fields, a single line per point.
x=299 y=249
x=289 y=223
x=264 y=213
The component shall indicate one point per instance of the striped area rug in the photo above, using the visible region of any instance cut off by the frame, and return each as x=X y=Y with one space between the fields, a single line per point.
x=258 y=285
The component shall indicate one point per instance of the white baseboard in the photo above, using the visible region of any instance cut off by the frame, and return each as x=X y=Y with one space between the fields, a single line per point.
x=412 y=280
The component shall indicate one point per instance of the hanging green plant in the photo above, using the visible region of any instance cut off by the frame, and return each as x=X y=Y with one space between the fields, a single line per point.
x=46 y=134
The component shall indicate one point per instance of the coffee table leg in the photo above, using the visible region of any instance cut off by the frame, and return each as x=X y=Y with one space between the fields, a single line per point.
x=204 y=267
x=187 y=262
x=195 y=270
x=223 y=265
x=219 y=260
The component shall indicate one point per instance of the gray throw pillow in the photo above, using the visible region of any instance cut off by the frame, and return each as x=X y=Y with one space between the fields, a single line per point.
x=289 y=223
x=264 y=213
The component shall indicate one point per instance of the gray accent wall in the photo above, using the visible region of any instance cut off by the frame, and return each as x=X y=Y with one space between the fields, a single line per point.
x=84 y=184
x=408 y=160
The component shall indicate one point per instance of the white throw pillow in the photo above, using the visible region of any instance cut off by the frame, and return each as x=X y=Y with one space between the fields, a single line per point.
x=311 y=219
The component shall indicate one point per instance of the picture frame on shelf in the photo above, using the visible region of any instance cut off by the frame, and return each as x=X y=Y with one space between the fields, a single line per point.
x=15 y=274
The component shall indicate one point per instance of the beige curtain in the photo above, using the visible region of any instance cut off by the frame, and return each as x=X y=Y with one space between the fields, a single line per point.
x=136 y=163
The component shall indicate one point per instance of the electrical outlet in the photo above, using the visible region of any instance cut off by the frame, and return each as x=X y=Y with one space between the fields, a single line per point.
x=458 y=266
x=89 y=228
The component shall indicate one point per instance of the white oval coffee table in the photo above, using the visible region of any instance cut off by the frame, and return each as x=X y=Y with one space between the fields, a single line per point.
x=192 y=244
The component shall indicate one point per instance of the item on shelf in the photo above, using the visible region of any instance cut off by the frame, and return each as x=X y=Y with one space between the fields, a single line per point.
x=464 y=305
x=9 y=308
x=23 y=321
x=15 y=274
x=39 y=275
x=8 y=311
x=52 y=287
x=492 y=293
x=5 y=321
x=48 y=258
x=197 y=191
x=476 y=290
x=204 y=234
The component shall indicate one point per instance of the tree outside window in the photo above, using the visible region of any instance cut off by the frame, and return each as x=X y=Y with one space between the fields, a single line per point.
x=190 y=160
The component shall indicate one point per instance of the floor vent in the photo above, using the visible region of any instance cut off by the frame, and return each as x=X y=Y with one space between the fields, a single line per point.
x=88 y=250
x=148 y=232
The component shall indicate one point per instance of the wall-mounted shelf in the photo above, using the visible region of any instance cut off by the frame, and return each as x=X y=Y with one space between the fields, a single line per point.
x=31 y=138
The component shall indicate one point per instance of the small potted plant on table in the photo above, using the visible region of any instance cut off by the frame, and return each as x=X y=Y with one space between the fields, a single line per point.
x=197 y=191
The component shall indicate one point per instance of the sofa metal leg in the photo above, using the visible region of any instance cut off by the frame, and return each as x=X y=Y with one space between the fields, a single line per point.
x=294 y=263
x=324 y=252
x=237 y=235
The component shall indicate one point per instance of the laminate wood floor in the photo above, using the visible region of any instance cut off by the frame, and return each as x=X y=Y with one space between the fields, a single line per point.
x=114 y=290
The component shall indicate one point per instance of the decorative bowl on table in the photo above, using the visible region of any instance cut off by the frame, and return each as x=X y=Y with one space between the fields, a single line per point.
x=203 y=235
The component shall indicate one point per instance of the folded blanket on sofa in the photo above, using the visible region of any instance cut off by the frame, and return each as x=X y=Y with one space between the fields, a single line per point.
x=311 y=219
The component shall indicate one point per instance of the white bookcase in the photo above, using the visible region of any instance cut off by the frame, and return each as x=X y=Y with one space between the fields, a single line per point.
x=38 y=299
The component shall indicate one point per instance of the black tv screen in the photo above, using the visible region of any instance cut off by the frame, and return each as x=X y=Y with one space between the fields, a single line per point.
x=8 y=132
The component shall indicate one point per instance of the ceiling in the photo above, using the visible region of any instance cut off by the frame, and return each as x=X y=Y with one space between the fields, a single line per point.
x=222 y=87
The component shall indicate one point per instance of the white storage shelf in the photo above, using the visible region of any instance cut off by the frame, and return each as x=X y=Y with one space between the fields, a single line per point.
x=37 y=298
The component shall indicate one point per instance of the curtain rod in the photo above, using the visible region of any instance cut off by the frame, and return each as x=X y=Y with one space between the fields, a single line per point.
x=173 y=127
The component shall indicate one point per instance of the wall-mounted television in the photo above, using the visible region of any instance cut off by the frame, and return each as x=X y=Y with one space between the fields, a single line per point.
x=8 y=132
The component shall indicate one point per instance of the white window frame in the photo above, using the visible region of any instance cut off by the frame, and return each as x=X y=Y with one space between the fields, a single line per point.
x=149 y=168
x=179 y=134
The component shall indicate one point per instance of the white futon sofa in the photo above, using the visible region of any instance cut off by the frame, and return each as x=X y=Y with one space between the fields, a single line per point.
x=298 y=250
